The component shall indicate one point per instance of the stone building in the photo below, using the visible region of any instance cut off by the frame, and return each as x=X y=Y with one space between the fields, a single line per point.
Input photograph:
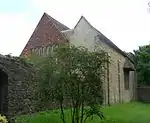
x=47 y=33
x=120 y=83
x=16 y=87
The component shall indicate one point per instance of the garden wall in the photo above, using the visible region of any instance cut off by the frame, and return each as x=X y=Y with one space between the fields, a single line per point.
x=143 y=94
x=17 y=87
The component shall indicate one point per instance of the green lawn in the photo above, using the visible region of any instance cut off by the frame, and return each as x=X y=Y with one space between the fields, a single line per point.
x=123 y=113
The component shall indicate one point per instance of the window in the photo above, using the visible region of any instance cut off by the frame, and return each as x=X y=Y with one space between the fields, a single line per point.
x=48 y=49
x=52 y=49
x=40 y=51
x=43 y=51
x=36 y=50
x=126 y=79
x=33 y=51
x=46 y=53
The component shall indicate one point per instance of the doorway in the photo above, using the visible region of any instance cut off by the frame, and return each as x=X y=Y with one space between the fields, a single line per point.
x=3 y=93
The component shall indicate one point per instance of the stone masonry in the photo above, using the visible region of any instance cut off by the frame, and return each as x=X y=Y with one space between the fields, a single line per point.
x=84 y=34
x=17 y=96
x=120 y=84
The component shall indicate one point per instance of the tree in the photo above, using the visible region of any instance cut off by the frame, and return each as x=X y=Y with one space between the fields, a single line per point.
x=73 y=77
x=142 y=58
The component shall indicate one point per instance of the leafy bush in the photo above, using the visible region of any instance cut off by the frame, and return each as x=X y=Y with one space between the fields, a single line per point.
x=142 y=58
x=73 y=77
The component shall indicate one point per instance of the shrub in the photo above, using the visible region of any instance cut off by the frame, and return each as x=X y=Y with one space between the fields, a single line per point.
x=74 y=75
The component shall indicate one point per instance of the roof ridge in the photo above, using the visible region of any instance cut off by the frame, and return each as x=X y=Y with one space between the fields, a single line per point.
x=53 y=22
x=32 y=33
x=59 y=31
x=108 y=41
x=50 y=17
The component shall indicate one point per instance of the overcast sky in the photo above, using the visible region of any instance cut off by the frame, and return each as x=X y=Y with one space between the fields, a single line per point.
x=125 y=22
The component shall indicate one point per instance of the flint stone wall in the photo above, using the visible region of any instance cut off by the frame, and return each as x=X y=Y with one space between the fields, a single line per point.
x=21 y=85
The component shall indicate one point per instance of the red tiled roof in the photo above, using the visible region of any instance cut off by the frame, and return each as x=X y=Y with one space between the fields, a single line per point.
x=59 y=25
x=48 y=31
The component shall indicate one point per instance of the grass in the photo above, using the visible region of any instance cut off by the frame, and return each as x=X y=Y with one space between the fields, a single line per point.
x=133 y=112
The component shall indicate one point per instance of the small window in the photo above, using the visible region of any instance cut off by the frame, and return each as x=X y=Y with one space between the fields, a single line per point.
x=36 y=50
x=126 y=79
x=52 y=49
x=43 y=51
x=33 y=50
x=40 y=51
x=48 y=50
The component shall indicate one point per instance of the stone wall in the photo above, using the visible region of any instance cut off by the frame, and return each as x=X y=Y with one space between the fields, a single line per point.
x=21 y=85
x=143 y=94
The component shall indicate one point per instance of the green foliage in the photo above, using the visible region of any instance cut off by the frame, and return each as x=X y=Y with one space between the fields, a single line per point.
x=142 y=56
x=94 y=110
x=132 y=112
x=72 y=77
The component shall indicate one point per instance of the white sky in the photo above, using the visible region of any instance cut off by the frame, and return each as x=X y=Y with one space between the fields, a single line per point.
x=125 y=22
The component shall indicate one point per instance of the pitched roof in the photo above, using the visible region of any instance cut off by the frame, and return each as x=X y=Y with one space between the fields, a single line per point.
x=59 y=25
x=48 y=31
x=106 y=40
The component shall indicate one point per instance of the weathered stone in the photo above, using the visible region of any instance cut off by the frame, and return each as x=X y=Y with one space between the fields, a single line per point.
x=115 y=91
x=18 y=86
x=120 y=84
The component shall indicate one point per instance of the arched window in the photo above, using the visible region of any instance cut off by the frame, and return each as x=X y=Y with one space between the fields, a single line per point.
x=50 y=49
x=47 y=50
x=40 y=51
x=32 y=50
x=36 y=50
x=44 y=51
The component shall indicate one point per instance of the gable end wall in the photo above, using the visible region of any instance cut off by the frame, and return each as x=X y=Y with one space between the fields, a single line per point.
x=85 y=35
